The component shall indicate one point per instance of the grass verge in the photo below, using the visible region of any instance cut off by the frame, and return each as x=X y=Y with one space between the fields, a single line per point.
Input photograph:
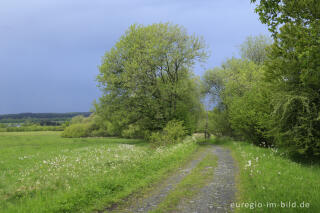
x=270 y=182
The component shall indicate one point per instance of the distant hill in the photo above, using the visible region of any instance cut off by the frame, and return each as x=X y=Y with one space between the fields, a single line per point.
x=38 y=117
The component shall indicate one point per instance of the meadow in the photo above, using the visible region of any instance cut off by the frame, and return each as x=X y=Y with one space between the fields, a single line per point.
x=43 y=172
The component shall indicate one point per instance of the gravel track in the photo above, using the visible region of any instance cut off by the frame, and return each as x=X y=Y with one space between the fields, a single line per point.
x=219 y=193
x=216 y=196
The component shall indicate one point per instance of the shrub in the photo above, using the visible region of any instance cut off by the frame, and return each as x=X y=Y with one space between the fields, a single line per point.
x=99 y=133
x=132 y=131
x=77 y=130
x=296 y=125
x=173 y=133
x=92 y=126
x=156 y=139
x=135 y=131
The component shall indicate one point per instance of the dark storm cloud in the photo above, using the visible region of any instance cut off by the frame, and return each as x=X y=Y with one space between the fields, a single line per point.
x=50 y=50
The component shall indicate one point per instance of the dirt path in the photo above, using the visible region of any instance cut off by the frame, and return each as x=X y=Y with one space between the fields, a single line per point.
x=218 y=194
x=214 y=197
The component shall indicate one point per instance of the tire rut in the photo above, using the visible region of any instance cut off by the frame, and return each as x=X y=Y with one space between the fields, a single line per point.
x=219 y=193
x=216 y=196
x=160 y=192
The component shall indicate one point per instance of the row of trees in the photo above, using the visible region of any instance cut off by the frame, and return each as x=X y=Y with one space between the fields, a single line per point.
x=271 y=96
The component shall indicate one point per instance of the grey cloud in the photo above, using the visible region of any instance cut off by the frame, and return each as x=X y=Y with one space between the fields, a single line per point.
x=50 y=50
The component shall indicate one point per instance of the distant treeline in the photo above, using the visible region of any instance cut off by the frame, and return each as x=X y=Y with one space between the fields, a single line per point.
x=45 y=119
x=31 y=128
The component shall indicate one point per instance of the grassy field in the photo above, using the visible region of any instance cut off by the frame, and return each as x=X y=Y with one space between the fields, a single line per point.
x=42 y=172
x=270 y=182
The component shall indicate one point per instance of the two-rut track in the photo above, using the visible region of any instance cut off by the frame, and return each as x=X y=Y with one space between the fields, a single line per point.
x=215 y=196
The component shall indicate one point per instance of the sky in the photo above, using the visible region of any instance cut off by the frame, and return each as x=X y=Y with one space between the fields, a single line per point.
x=50 y=50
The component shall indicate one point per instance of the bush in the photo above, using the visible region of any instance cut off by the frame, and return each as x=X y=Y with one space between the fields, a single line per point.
x=99 y=133
x=156 y=139
x=131 y=131
x=173 y=133
x=92 y=126
x=77 y=130
x=134 y=131
x=296 y=125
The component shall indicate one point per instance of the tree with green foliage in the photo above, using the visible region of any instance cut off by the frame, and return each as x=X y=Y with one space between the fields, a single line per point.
x=218 y=122
x=147 y=79
x=243 y=105
x=293 y=72
x=255 y=48
x=276 y=13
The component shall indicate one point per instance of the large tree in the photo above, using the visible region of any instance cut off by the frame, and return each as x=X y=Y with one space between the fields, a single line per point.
x=147 y=78
x=293 y=71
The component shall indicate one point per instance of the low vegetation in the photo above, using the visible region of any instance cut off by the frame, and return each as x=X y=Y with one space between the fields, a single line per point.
x=30 y=128
x=173 y=133
x=40 y=171
x=91 y=126
x=269 y=178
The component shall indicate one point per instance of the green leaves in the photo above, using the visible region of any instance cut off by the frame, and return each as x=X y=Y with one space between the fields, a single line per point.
x=243 y=108
x=147 y=80
x=274 y=13
x=292 y=72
